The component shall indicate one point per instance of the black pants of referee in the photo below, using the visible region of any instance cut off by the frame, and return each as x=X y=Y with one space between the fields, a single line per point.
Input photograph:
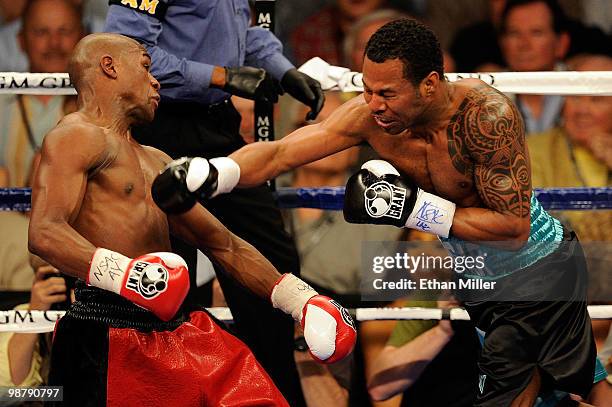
x=190 y=129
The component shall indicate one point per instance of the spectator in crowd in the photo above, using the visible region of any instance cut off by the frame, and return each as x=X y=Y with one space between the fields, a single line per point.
x=475 y=48
x=360 y=32
x=534 y=38
x=50 y=30
x=16 y=273
x=582 y=147
x=24 y=357
x=487 y=56
x=14 y=57
x=447 y=17
x=322 y=34
x=421 y=355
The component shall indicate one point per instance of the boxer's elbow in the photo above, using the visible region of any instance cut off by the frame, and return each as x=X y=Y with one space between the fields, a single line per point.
x=519 y=228
x=42 y=238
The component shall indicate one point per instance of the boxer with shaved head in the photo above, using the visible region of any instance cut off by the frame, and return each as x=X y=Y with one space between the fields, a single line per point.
x=129 y=340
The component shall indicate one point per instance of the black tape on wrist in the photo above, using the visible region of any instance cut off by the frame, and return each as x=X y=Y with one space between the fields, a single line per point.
x=153 y=8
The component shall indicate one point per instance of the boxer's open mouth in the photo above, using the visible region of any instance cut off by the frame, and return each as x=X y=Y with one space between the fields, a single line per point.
x=382 y=121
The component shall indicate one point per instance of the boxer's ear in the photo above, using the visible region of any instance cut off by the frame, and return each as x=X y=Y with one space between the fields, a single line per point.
x=429 y=84
x=108 y=66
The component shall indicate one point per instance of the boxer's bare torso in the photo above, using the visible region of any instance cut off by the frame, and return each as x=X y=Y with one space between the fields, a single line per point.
x=444 y=159
x=116 y=209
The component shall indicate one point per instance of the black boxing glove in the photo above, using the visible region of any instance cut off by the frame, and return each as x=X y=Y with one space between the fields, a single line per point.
x=378 y=194
x=252 y=83
x=185 y=181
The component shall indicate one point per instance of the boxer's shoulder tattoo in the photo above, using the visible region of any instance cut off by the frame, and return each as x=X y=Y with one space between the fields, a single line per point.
x=487 y=132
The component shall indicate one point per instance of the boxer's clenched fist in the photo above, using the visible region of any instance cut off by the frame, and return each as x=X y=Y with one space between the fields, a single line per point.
x=158 y=282
x=378 y=194
x=329 y=330
x=186 y=180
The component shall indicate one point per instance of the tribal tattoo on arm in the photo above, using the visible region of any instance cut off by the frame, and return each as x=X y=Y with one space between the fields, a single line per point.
x=486 y=140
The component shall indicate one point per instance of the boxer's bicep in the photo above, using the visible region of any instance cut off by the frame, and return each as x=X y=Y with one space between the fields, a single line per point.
x=487 y=143
x=496 y=144
x=61 y=177
x=237 y=257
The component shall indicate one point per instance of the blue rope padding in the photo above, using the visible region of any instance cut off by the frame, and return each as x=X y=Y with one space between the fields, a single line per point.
x=15 y=199
x=331 y=198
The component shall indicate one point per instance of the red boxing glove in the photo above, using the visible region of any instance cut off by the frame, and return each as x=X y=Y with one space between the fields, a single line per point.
x=158 y=282
x=329 y=329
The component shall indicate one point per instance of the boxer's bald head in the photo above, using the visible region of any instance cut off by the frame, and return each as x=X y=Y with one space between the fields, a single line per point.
x=93 y=54
x=113 y=70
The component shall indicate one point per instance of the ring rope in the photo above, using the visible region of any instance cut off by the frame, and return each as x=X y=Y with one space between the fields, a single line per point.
x=596 y=83
x=44 y=321
x=332 y=198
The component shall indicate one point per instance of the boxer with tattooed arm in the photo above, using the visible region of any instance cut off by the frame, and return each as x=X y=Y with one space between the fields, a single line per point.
x=463 y=145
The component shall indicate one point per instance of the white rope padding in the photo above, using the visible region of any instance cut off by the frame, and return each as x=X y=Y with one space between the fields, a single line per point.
x=26 y=83
x=24 y=321
x=44 y=321
x=597 y=83
x=373 y=314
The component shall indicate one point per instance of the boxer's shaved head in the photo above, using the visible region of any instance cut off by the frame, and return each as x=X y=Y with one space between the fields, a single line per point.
x=88 y=53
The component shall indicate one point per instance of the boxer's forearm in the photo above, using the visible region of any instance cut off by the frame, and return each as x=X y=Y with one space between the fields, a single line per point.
x=480 y=224
x=258 y=163
x=61 y=246
x=237 y=257
x=247 y=265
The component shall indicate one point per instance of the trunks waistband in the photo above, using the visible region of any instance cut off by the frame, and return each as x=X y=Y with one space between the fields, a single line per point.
x=93 y=304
